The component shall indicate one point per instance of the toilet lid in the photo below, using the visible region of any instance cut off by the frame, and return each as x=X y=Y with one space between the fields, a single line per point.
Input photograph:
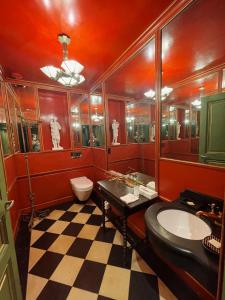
x=81 y=183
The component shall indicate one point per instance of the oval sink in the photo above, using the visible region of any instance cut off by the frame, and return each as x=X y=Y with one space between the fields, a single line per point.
x=183 y=224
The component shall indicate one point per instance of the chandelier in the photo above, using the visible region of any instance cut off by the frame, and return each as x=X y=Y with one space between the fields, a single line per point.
x=69 y=75
x=165 y=91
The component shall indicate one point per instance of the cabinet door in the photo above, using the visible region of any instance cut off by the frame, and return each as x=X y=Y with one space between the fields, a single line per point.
x=9 y=279
x=212 y=130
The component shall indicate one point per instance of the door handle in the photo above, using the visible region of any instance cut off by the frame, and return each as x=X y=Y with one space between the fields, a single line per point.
x=9 y=204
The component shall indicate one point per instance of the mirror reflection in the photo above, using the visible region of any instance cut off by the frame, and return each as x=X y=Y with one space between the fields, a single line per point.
x=4 y=132
x=85 y=122
x=28 y=124
x=130 y=107
x=192 y=97
x=97 y=120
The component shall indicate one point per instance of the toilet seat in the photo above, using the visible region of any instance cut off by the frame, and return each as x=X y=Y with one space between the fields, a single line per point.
x=81 y=183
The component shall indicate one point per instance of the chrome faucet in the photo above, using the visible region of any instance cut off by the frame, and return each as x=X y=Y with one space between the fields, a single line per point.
x=216 y=217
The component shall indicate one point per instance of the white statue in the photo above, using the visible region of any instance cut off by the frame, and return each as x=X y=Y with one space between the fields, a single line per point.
x=55 y=128
x=152 y=137
x=115 y=129
x=178 y=130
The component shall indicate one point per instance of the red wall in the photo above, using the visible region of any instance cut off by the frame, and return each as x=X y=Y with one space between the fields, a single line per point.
x=54 y=104
x=174 y=177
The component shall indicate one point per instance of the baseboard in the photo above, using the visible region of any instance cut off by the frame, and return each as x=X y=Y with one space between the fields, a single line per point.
x=26 y=210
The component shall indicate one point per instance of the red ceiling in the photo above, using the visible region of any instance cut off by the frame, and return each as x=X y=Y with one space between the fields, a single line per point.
x=100 y=30
x=191 y=42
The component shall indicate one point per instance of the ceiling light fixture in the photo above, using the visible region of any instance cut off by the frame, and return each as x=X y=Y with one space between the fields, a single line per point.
x=70 y=75
x=164 y=93
x=96 y=117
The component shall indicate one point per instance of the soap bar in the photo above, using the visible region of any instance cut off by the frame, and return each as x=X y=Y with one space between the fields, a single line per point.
x=215 y=243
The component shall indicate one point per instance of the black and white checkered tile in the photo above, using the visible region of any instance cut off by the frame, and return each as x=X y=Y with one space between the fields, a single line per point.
x=72 y=258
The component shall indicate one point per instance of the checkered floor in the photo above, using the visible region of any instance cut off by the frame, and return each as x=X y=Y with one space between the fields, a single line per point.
x=71 y=258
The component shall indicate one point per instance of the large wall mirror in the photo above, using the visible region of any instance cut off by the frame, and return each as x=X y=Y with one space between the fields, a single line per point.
x=193 y=84
x=80 y=120
x=97 y=113
x=132 y=112
x=28 y=124
x=4 y=127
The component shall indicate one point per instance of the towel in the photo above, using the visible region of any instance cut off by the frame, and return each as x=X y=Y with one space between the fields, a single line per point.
x=148 y=193
x=129 y=198
x=151 y=185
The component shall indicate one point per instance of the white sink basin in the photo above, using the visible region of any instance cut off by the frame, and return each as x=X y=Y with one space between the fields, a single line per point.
x=183 y=224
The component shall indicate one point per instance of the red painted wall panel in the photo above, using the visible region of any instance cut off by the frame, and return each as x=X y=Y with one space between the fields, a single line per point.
x=99 y=158
x=52 y=161
x=124 y=152
x=174 y=177
x=10 y=170
x=51 y=188
x=124 y=166
x=148 y=151
x=149 y=167
x=54 y=104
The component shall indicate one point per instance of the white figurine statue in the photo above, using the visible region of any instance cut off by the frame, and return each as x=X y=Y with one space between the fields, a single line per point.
x=55 y=128
x=152 y=137
x=178 y=130
x=115 y=129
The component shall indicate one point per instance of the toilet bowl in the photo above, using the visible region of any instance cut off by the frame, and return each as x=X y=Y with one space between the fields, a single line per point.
x=82 y=187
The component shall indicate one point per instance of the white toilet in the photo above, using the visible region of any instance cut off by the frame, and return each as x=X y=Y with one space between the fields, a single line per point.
x=82 y=187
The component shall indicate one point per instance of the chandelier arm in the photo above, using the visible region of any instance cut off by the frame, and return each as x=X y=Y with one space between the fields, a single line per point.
x=65 y=51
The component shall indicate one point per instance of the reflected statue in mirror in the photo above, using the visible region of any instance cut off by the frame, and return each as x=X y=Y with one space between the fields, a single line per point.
x=115 y=129
x=178 y=130
x=55 y=133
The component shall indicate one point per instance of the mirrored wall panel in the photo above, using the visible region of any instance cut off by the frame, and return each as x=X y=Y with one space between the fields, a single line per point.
x=130 y=97
x=85 y=122
x=192 y=95
x=97 y=120
x=28 y=124
x=4 y=128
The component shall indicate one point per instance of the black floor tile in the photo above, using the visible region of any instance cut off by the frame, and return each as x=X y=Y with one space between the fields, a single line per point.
x=44 y=224
x=54 y=290
x=104 y=298
x=46 y=264
x=90 y=276
x=106 y=236
x=45 y=241
x=73 y=229
x=88 y=209
x=68 y=216
x=80 y=248
x=64 y=206
x=95 y=220
x=143 y=286
x=116 y=257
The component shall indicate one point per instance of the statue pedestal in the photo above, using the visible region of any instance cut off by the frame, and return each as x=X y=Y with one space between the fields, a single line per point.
x=115 y=144
x=59 y=148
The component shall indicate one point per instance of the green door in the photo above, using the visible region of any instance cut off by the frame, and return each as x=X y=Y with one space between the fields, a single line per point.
x=9 y=277
x=212 y=130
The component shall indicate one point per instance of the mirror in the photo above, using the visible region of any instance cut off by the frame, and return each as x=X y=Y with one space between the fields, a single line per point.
x=129 y=104
x=85 y=122
x=28 y=123
x=97 y=120
x=12 y=119
x=192 y=96
x=4 y=130
x=80 y=121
